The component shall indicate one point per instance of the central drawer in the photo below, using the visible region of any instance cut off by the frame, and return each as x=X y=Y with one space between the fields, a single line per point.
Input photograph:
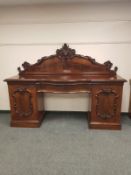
x=63 y=88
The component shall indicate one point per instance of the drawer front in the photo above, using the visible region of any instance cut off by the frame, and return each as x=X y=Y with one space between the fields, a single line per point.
x=64 y=88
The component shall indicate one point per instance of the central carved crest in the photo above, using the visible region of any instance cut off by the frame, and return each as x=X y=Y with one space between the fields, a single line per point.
x=64 y=54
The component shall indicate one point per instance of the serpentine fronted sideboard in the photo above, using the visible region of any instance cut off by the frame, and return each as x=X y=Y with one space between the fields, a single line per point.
x=66 y=72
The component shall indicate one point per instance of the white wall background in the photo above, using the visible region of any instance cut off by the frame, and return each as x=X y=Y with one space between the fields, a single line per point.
x=101 y=30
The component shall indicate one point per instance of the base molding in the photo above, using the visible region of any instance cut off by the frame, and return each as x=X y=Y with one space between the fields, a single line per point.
x=28 y=123
x=23 y=124
x=36 y=123
x=122 y=113
x=109 y=126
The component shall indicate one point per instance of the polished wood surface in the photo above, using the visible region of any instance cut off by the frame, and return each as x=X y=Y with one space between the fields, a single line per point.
x=66 y=72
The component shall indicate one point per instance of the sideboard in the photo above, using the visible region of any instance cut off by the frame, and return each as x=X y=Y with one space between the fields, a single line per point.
x=66 y=72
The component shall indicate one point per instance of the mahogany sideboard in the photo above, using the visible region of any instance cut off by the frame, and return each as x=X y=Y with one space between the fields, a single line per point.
x=66 y=72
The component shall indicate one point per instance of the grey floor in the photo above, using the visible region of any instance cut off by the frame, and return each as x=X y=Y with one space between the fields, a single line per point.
x=64 y=145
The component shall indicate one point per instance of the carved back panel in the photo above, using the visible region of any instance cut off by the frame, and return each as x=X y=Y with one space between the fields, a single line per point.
x=67 y=62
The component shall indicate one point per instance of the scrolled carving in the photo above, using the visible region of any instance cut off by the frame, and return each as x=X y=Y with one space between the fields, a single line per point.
x=19 y=70
x=25 y=66
x=92 y=60
x=108 y=65
x=115 y=69
x=106 y=103
x=65 y=53
x=20 y=96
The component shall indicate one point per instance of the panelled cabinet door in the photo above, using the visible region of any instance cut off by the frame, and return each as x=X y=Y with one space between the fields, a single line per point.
x=106 y=104
x=21 y=97
x=22 y=102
